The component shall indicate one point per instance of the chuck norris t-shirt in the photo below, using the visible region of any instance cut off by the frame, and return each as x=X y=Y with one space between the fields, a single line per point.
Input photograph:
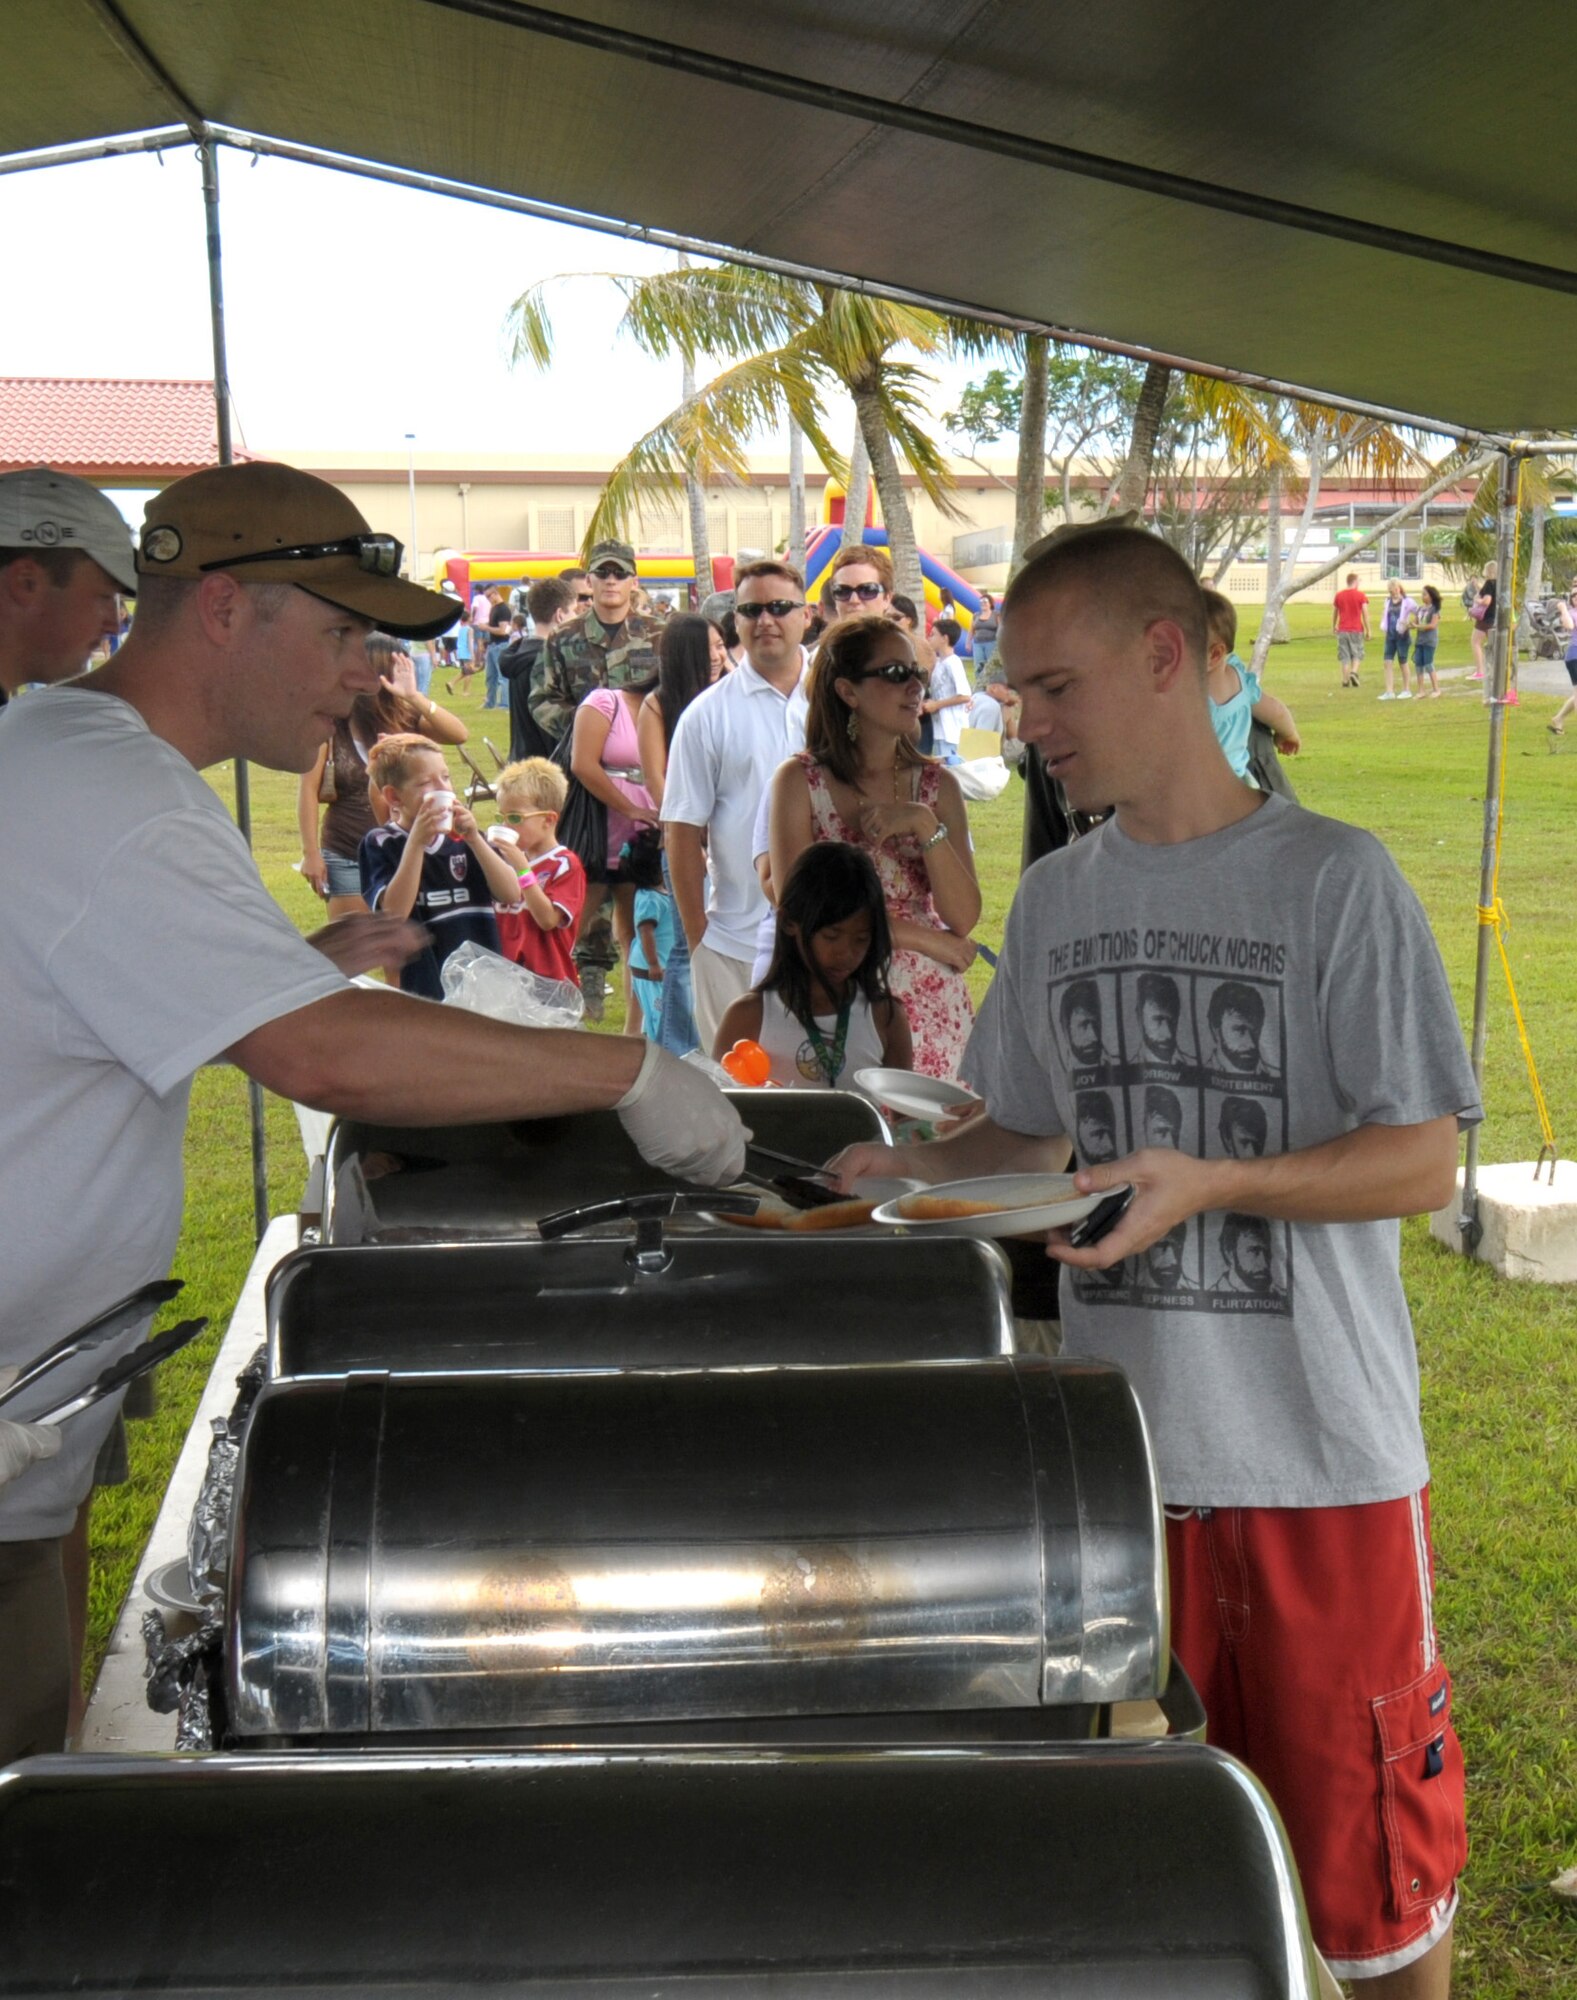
x=1257 y=991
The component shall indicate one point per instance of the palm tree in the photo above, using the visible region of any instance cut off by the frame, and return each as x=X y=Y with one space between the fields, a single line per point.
x=793 y=345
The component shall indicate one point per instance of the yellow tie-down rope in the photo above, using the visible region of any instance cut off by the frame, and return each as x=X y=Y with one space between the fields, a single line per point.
x=1495 y=916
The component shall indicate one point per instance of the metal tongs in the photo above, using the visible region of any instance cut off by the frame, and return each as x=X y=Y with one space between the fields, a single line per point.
x=141 y=1304
x=803 y=1186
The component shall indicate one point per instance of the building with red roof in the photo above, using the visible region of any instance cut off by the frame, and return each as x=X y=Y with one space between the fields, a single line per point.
x=116 y=433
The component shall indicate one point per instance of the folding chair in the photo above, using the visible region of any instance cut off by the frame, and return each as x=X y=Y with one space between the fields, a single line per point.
x=478 y=788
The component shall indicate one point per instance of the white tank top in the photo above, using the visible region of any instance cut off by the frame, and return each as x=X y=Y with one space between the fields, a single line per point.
x=793 y=1054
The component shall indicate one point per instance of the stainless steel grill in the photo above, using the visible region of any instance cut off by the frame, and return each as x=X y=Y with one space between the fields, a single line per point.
x=715 y=1301
x=1110 y=1873
x=494 y=1552
x=491 y=1182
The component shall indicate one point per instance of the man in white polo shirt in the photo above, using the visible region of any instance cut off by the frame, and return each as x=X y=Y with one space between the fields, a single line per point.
x=728 y=743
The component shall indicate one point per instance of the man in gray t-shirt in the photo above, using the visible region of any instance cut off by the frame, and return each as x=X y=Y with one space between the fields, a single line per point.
x=1238 y=1007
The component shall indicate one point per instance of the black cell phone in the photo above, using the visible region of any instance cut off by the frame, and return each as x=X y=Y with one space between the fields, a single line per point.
x=1103 y=1218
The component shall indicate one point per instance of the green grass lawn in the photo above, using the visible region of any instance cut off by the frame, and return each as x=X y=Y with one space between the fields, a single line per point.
x=1499 y=1360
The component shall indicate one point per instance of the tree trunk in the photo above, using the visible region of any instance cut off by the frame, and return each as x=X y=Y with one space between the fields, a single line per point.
x=1281 y=632
x=857 y=494
x=1133 y=482
x=901 y=544
x=1279 y=587
x=796 y=541
x=1475 y=469
x=1029 y=492
x=695 y=496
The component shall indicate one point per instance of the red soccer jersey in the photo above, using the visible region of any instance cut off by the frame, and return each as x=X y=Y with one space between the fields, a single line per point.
x=1350 y=609
x=563 y=880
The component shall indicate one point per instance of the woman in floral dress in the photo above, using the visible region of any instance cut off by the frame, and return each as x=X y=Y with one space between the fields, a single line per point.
x=861 y=779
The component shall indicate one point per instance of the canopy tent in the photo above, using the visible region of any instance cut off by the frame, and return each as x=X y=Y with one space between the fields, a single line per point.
x=1263 y=194
x=1269 y=190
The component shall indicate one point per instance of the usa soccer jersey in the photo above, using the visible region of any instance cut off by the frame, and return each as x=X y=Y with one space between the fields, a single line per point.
x=452 y=899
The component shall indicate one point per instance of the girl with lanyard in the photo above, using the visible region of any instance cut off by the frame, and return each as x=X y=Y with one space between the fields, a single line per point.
x=823 y=1010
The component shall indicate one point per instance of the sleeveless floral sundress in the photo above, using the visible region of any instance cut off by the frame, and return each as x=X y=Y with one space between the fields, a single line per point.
x=935 y=998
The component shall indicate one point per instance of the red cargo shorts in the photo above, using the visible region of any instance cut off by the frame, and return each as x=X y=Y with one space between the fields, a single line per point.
x=1309 y=1633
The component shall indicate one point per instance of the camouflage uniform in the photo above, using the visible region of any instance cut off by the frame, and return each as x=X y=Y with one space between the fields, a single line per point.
x=580 y=656
x=586 y=654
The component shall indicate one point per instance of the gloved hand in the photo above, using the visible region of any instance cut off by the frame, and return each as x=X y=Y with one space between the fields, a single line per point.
x=22 y=1445
x=680 y=1121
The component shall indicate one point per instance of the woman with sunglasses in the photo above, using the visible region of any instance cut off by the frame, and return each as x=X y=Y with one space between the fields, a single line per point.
x=862 y=780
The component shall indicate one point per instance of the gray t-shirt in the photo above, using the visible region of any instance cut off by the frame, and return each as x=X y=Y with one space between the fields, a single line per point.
x=1261 y=990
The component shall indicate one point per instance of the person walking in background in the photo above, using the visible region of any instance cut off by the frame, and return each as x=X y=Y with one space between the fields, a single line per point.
x=499 y=633
x=1350 y=623
x=1482 y=612
x=1568 y=611
x=1426 y=637
x=861 y=779
x=983 y=636
x=1399 y=613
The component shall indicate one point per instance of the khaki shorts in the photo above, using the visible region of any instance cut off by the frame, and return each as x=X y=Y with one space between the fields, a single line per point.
x=35 y=1650
x=1349 y=648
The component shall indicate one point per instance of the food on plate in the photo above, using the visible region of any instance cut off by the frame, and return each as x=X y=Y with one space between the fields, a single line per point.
x=835 y=1215
x=942 y=1208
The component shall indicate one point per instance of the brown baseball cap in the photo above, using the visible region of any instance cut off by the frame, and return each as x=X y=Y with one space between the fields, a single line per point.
x=272 y=524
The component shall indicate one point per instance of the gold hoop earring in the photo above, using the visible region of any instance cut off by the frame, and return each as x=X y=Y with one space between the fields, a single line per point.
x=853 y=727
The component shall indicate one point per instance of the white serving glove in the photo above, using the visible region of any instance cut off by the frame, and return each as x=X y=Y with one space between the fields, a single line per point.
x=22 y=1445
x=680 y=1121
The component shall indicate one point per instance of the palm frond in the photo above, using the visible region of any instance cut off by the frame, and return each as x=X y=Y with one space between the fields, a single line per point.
x=705 y=434
x=714 y=309
x=906 y=413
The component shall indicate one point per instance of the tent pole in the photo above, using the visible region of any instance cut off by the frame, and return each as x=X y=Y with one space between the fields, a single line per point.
x=1499 y=680
x=164 y=140
x=208 y=155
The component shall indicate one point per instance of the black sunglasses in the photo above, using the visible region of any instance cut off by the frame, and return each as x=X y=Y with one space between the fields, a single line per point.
x=379 y=555
x=844 y=591
x=779 y=607
x=583 y=597
x=608 y=571
x=895 y=673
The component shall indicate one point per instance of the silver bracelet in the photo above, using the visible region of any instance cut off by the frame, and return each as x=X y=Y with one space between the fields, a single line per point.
x=935 y=840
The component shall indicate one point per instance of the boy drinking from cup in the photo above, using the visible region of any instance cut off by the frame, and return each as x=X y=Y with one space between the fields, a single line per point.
x=538 y=931
x=431 y=861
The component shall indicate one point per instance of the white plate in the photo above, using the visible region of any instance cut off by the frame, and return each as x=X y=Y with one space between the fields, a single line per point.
x=1025 y=1205
x=912 y=1096
x=170 y=1587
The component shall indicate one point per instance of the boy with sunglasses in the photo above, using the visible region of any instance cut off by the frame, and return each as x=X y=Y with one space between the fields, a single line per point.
x=539 y=931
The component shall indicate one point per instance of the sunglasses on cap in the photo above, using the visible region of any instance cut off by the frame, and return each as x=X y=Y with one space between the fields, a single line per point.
x=844 y=591
x=379 y=555
x=895 y=673
x=779 y=607
x=609 y=570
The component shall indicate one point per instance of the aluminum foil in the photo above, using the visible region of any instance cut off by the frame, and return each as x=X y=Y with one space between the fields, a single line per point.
x=180 y=1674
x=208 y=1531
